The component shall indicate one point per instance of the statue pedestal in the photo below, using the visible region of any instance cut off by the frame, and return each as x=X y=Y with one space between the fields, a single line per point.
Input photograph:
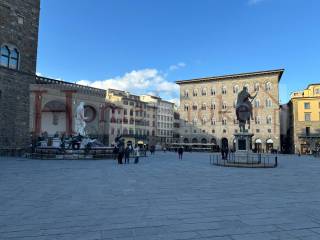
x=243 y=153
x=56 y=142
x=243 y=141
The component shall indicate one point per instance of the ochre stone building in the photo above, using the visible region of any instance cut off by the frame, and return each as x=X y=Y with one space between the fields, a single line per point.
x=207 y=106
x=19 y=22
x=305 y=120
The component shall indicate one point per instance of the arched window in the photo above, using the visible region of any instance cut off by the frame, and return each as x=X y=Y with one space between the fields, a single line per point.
x=269 y=120
x=224 y=90
x=213 y=106
x=224 y=105
x=213 y=121
x=186 y=107
x=194 y=140
x=195 y=107
x=14 y=59
x=247 y=86
x=268 y=86
x=204 y=106
x=204 y=120
x=236 y=89
x=224 y=121
x=5 y=56
x=268 y=103
x=257 y=120
x=186 y=93
x=9 y=57
x=213 y=92
x=204 y=141
x=257 y=103
x=195 y=93
x=204 y=92
x=257 y=87
x=195 y=120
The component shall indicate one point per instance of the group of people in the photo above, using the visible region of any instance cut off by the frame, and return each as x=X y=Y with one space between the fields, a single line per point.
x=127 y=152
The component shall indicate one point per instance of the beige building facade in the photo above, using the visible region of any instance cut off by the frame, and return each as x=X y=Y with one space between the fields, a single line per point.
x=207 y=108
x=134 y=120
x=164 y=118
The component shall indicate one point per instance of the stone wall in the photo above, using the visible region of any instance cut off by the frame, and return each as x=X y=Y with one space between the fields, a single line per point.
x=19 y=28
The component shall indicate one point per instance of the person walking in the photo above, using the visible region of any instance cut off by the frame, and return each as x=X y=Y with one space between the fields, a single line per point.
x=180 y=152
x=127 y=155
x=137 y=154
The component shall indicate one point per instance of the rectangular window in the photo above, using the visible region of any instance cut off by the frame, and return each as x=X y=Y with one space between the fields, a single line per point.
x=307 y=117
x=307 y=131
x=307 y=105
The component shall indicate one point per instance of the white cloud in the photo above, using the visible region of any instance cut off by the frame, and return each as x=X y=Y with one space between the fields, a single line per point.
x=139 y=82
x=255 y=2
x=177 y=66
x=176 y=101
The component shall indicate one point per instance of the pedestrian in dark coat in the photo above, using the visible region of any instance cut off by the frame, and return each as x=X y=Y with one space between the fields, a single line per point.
x=120 y=155
x=127 y=155
x=180 y=152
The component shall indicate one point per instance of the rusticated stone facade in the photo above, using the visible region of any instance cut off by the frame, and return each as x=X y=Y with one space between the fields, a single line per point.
x=19 y=21
x=207 y=108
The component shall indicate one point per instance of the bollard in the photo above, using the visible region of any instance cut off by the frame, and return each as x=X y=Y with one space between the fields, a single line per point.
x=276 y=161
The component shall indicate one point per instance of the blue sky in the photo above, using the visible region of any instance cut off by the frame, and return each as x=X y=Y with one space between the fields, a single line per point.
x=145 y=45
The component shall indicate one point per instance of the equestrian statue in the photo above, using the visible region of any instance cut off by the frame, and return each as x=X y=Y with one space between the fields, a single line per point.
x=244 y=109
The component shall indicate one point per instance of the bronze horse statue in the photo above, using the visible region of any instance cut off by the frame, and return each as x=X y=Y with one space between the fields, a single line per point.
x=244 y=109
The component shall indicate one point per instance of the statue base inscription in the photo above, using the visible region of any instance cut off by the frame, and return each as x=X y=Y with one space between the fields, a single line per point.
x=243 y=141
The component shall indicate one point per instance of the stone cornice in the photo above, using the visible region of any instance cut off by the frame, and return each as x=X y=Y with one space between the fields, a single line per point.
x=233 y=76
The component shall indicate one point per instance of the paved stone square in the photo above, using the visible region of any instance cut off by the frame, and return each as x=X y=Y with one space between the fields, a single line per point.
x=160 y=198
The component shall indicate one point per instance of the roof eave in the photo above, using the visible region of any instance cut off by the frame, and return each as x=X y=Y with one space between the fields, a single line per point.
x=279 y=71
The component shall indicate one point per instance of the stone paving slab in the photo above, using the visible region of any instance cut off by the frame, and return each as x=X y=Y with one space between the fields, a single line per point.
x=160 y=198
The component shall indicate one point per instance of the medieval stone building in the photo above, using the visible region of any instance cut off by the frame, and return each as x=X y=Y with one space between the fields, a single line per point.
x=207 y=108
x=19 y=23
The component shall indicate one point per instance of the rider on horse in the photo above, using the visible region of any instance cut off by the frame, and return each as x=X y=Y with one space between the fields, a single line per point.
x=244 y=108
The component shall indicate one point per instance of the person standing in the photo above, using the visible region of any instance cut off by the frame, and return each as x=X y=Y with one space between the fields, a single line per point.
x=137 y=154
x=120 y=154
x=180 y=152
x=127 y=155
